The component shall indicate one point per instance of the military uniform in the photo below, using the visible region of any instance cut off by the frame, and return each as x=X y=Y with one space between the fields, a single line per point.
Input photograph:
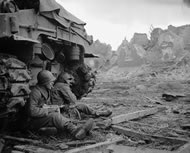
x=41 y=117
x=62 y=95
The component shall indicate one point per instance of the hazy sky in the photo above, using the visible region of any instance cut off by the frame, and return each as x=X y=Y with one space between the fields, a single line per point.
x=111 y=21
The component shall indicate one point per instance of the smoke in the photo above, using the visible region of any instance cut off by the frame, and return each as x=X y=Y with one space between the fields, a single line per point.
x=187 y=2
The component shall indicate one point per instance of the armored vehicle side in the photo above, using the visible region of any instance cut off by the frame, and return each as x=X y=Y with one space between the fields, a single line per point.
x=36 y=35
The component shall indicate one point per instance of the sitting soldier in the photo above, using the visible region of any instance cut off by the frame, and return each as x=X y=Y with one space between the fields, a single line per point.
x=62 y=95
x=40 y=116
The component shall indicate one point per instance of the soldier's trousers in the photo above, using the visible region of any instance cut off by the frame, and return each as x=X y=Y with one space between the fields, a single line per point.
x=58 y=120
x=83 y=108
x=51 y=120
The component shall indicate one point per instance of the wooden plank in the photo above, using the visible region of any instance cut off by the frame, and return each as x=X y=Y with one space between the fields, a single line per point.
x=94 y=146
x=29 y=141
x=184 y=149
x=80 y=143
x=177 y=131
x=135 y=115
x=34 y=149
x=132 y=133
x=127 y=149
x=15 y=151
x=24 y=140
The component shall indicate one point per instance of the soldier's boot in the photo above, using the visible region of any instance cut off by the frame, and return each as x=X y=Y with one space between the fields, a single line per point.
x=80 y=132
x=105 y=113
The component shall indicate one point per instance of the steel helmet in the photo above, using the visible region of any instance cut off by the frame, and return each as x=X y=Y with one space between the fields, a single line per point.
x=45 y=77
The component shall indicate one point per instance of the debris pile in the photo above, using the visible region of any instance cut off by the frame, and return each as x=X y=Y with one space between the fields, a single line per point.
x=167 y=45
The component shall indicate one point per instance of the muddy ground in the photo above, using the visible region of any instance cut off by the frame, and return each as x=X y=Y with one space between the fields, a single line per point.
x=126 y=90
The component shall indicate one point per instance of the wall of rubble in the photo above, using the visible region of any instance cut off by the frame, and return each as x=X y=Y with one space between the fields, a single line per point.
x=163 y=45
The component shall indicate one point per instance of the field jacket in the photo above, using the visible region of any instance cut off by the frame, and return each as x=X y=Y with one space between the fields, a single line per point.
x=38 y=97
x=62 y=94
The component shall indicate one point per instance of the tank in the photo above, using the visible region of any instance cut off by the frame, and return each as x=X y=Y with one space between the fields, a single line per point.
x=37 y=35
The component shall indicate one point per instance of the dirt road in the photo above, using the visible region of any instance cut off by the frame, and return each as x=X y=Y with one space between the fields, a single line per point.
x=124 y=94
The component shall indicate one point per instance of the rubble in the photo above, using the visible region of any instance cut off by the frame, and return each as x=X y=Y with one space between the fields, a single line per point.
x=164 y=143
x=140 y=39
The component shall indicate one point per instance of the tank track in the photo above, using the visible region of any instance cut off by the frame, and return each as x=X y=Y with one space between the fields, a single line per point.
x=14 y=87
x=85 y=80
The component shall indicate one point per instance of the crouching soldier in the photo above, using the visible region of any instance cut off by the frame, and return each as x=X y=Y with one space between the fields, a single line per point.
x=62 y=95
x=40 y=116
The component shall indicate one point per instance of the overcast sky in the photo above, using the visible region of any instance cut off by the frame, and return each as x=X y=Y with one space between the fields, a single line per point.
x=111 y=21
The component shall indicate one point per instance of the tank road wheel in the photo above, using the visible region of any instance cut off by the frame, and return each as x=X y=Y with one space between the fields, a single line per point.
x=85 y=80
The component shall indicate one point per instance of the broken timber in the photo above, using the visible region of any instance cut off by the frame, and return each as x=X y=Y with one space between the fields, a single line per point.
x=34 y=149
x=14 y=151
x=139 y=135
x=29 y=141
x=127 y=149
x=185 y=147
x=24 y=140
x=79 y=143
x=135 y=115
x=177 y=131
x=94 y=146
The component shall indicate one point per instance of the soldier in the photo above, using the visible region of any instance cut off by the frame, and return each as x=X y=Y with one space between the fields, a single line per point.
x=48 y=117
x=62 y=95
